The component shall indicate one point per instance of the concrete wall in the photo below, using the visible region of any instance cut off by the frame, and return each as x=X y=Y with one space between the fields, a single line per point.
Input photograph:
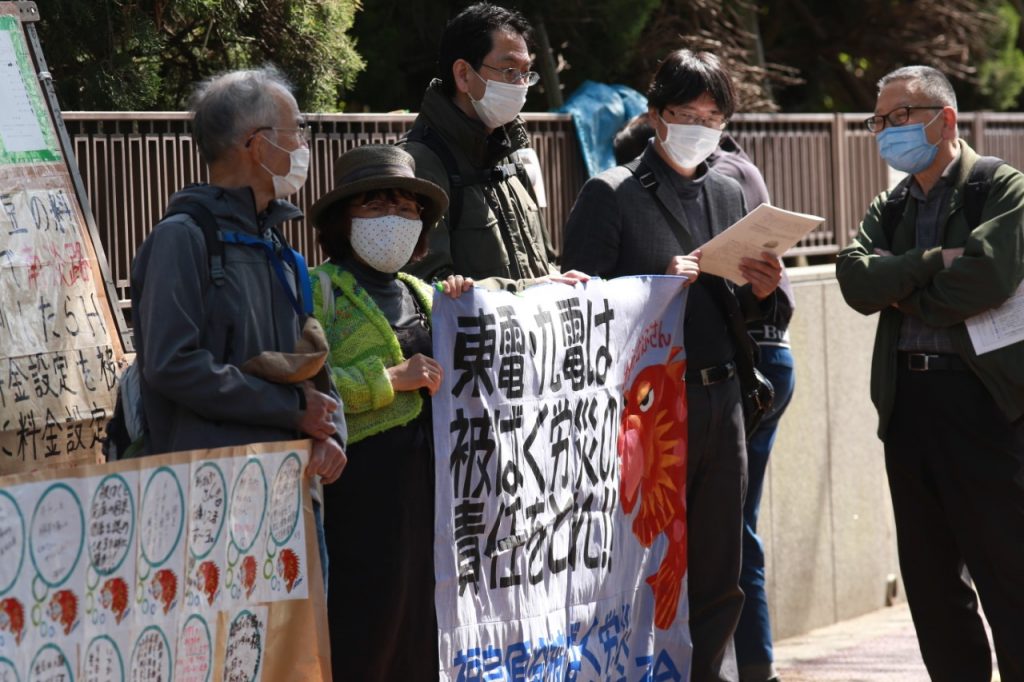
x=826 y=518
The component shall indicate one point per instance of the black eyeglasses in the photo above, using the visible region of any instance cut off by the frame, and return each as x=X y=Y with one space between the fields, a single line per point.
x=896 y=117
x=301 y=132
x=513 y=75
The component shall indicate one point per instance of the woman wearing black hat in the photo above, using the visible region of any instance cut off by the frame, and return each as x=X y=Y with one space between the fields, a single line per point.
x=379 y=516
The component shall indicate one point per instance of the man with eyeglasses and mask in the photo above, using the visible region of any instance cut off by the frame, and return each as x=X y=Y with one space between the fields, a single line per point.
x=219 y=304
x=468 y=139
x=650 y=217
x=944 y=245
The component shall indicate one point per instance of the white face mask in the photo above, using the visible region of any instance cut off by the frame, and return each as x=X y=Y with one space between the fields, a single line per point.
x=689 y=145
x=385 y=243
x=298 y=169
x=501 y=102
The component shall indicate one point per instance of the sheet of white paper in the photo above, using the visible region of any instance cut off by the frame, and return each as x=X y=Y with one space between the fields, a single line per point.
x=1000 y=326
x=19 y=125
x=766 y=228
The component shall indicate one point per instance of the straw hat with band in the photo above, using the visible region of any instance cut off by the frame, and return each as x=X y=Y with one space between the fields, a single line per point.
x=380 y=166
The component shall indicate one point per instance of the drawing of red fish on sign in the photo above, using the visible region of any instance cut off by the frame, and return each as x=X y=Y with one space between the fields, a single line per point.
x=209 y=579
x=248 y=572
x=164 y=588
x=64 y=610
x=114 y=597
x=652 y=457
x=12 y=618
x=288 y=567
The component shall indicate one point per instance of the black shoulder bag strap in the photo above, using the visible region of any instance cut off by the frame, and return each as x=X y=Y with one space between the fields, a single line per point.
x=645 y=176
x=747 y=350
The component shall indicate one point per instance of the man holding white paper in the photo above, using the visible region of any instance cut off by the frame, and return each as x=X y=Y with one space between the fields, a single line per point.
x=943 y=246
x=650 y=217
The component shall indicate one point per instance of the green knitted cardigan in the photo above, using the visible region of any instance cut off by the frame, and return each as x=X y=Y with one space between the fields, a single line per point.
x=362 y=347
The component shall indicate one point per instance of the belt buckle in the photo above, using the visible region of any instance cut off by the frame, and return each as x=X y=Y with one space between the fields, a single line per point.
x=924 y=364
x=706 y=378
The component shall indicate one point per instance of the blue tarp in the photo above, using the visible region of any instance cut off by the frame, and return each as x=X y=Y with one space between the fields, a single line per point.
x=599 y=111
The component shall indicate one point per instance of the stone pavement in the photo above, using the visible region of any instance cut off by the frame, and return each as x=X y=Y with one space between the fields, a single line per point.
x=878 y=647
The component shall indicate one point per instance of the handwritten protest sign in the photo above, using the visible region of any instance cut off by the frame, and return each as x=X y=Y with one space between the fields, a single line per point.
x=59 y=346
x=560 y=431
x=101 y=578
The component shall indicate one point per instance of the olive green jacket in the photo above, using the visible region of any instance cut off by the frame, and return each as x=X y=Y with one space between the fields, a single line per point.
x=501 y=240
x=986 y=275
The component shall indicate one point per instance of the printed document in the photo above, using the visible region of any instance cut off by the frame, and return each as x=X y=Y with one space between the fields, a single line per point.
x=765 y=229
x=1000 y=326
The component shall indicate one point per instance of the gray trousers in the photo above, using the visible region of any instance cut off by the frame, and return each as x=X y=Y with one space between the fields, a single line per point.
x=716 y=483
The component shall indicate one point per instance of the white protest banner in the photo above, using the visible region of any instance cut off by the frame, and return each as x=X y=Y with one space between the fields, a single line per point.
x=198 y=567
x=560 y=441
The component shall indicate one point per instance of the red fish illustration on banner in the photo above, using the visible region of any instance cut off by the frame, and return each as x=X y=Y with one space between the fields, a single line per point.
x=12 y=618
x=164 y=588
x=209 y=579
x=652 y=455
x=288 y=567
x=114 y=597
x=249 y=575
x=64 y=609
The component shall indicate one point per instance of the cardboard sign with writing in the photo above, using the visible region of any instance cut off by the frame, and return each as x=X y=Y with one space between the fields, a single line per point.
x=59 y=341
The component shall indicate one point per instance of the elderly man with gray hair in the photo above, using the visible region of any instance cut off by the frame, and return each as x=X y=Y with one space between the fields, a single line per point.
x=220 y=303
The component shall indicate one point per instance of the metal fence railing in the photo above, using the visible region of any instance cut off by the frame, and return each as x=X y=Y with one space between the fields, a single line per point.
x=825 y=164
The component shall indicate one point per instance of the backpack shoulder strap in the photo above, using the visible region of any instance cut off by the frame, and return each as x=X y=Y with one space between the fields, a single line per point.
x=208 y=224
x=978 y=184
x=456 y=181
x=975 y=193
x=892 y=209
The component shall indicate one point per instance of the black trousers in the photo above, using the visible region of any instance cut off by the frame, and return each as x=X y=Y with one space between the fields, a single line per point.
x=716 y=482
x=956 y=474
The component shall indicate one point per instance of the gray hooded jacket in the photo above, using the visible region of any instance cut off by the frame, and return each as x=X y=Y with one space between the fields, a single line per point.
x=192 y=335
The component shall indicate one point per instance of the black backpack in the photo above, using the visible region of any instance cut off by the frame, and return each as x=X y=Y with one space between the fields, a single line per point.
x=975 y=194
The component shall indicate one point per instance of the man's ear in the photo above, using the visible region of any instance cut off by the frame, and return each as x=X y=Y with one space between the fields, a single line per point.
x=461 y=73
x=252 y=152
x=949 y=123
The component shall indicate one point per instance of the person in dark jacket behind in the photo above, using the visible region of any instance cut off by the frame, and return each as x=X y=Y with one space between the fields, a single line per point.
x=194 y=331
x=469 y=126
x=621 y=225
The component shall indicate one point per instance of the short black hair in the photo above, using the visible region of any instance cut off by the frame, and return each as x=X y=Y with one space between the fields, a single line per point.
x=684 y=76
x=631 y=141
x=468 y=37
